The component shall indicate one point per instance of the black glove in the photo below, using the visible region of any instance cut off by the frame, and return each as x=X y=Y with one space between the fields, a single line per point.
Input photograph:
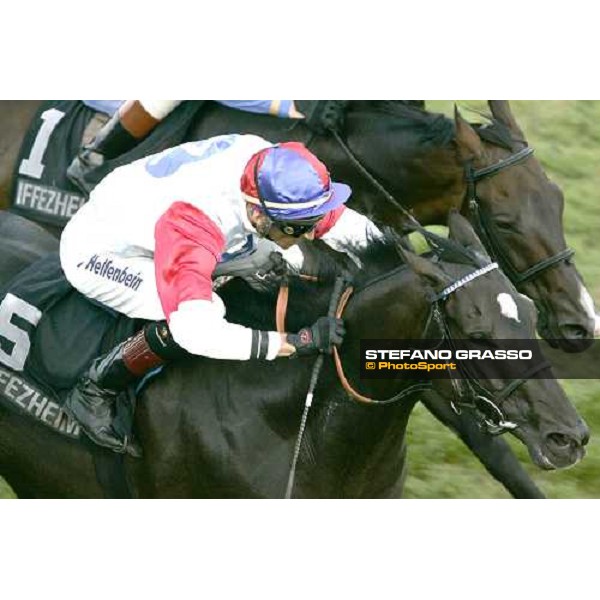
x=270 y=274
x=276 y=267
x=319 y=337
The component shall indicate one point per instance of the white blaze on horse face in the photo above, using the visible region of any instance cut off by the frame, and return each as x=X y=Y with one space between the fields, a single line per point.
x=508 y=306
x=586 y=302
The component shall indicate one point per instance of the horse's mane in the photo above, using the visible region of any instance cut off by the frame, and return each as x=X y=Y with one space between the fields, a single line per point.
x=423 y=126
x=436 y=128
x=309 y=300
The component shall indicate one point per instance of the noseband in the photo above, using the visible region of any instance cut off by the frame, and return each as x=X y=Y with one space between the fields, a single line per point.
x=484 y=222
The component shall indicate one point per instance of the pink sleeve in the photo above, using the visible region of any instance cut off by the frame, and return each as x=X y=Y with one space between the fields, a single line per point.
x=328 y=221
x=188 y=247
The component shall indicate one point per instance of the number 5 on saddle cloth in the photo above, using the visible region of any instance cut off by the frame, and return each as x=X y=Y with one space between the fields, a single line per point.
x=49 y=334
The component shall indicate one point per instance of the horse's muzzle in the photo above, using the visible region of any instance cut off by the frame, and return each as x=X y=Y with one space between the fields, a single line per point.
x=562 y=449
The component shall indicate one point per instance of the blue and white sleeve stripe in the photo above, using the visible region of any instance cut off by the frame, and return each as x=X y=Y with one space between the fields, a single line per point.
x=279 y=108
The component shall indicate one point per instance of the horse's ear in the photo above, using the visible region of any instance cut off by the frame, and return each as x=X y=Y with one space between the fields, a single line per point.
x=460 y=230
x=425 y=268
x=501 y=112
x=470 y=146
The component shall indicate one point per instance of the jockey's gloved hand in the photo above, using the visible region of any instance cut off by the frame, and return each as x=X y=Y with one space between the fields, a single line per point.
x=271 y=273
x=320 y=337
x=276 y=268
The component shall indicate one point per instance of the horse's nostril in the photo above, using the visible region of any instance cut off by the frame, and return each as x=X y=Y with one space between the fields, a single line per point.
x=559 y=440
x=574 y=332
x=575 y=338
x=584 y=432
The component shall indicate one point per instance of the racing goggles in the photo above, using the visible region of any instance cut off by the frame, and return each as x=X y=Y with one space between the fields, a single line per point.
x=297 y=228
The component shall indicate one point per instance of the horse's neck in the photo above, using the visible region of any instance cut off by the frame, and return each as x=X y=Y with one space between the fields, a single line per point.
x=434 y=184
x=247 y=415
x=407 y=296
x=428 y=178
x=357 y=450
x=352 y=450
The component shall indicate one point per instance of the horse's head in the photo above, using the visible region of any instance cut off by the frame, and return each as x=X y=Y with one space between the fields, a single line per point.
x=489 y=308
x=518 y=213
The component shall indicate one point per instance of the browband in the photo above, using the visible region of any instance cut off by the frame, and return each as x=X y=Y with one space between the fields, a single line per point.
x=462 y=282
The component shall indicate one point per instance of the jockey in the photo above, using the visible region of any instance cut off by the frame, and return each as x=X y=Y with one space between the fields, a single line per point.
x=152 y=235
x=133 y=120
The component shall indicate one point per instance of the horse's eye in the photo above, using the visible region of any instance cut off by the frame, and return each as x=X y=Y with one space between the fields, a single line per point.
x=505 y=225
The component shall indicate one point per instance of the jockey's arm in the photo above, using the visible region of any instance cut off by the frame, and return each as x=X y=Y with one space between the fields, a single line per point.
x=188 y=247
x=344 y=229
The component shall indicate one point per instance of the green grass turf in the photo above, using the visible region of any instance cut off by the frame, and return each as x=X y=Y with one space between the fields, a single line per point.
x=566 y=137
x=5 y=491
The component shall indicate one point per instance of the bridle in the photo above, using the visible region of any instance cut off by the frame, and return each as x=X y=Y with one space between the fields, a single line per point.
x=485 y=227
x=468 y=392
x=483 y=221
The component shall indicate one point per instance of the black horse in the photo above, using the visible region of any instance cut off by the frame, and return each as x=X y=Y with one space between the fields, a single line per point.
x=212 y=429
x=421 y=158
x=429 y=164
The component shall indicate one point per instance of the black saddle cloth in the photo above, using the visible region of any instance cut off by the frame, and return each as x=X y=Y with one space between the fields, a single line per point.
x=41 y=189
x=71 y=332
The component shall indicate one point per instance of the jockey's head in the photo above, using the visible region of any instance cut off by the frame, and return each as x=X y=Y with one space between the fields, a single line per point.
x=288 y=190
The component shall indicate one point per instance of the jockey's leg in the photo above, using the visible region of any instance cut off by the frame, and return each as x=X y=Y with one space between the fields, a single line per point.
x=134 y=120
x=92 y=401
x=126 y=284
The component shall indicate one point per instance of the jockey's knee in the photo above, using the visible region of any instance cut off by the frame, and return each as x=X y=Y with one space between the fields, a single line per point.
x=133 y=121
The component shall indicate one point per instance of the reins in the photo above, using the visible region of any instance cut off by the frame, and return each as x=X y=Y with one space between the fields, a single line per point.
x=282 y=299
x=338 y=302
x=281 y=306
x=416 y=387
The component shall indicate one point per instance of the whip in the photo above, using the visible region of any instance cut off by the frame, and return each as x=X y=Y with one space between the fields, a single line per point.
x=338 y=289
